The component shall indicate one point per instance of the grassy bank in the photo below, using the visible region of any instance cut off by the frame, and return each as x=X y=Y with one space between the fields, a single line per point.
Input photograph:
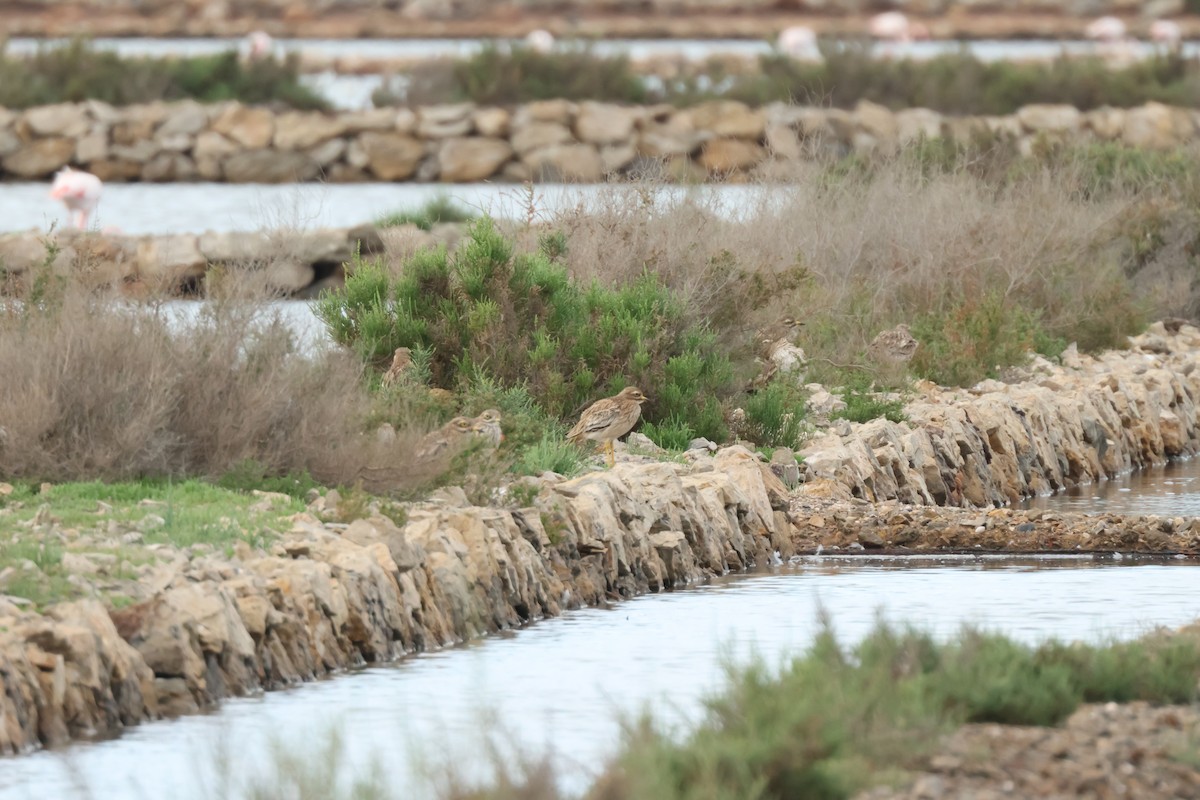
x=956 y=83
x=827 y=724
x=78 y=71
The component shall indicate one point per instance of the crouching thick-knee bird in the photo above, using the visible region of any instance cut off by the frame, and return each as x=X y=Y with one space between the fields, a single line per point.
x=609 y=419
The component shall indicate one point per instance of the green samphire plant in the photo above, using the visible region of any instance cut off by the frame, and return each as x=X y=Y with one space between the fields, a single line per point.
x=521 y=320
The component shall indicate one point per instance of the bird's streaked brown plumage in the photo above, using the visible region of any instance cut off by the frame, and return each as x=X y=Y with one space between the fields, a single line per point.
x=487 y=426
x=446 y=439
x=609 y=419
x=401 y=362
x=896 y=345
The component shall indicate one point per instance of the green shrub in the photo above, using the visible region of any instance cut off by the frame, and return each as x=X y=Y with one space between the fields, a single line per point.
x=521 y=320
x=551 y=453
x=864 y=403
x=437 y=210
x=775 y=415
x=507 y=76
x=974 y=340
x=956 y=83
x=77 y=71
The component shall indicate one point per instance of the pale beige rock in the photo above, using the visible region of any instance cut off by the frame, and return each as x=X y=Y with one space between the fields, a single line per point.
x=188 y=118
x=730 y=155
x=170 y=260
x=1047 y=117
x=1157 y=126
x=538 y=135
x=491 y=122
x=557 y=111
x=297 y=130
x=472 y=159
x=251 y=128
x=269 y=166
x=567 y=162
x=728 y=118
x=391 y=156
x=63 y=119
x=917 y=123
x=446 y=121
x=605 y=123
x=877 y=120
x=40 y=157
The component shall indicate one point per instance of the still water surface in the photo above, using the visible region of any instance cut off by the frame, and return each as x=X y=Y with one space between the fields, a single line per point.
x=145 y=208
x=561 y=685
x=637 y=49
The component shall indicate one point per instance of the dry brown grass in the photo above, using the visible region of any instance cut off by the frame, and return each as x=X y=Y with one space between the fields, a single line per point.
x=100 y=388
x=855 y=251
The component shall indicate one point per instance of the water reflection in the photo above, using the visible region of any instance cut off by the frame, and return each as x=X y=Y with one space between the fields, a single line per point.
x=1171 y=490
x=561 y=685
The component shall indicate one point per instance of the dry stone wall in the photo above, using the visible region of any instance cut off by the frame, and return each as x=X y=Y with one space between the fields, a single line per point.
x=1090 y=419
x=552 y=140
x=328 y=597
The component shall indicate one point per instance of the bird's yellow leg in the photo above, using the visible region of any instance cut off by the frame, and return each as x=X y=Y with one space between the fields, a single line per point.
x=610 y=454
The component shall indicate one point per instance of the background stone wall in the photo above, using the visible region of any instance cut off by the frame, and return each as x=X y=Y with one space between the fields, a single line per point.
x=548 y=140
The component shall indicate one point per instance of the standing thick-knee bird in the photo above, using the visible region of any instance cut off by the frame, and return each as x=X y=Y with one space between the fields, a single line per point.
x=401 y=362
x=79 y=191
x=609 y=419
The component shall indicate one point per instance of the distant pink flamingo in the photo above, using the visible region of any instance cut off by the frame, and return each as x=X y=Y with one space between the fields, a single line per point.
x=893 y=26
x=540 y=41
x=1112 y=38
x=79 y=191
x=258 y=46
x=1166 y=32
x=797 y=41
x=1105 y=29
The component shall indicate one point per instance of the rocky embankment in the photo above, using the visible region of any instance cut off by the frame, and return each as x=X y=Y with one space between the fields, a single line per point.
x=549 y=140
x=289 y=263
x=327 y=597
x=323 y=597
x=608 y=18
x=1089 y=419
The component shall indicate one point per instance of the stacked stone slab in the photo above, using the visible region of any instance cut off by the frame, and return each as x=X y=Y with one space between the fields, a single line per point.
x=553 y=140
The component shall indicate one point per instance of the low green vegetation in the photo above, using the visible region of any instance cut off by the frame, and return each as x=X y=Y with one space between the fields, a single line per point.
x=956 y=83
x=111 y=530
x=838 y=720
x=433 y=212
x=78 y=71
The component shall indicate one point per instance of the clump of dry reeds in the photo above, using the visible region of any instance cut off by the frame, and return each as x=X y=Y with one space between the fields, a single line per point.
x=857 y=246
x=96 y=387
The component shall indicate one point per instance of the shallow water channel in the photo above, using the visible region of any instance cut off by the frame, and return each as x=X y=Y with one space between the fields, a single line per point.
x=561 y=686
x=150 y=208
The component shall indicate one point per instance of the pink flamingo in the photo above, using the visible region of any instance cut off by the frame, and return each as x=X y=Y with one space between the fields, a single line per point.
x=893 y=26
x=1105 y=29
x=1112 y=36
x=540 y=41
x=258 y=46
x=1166 y=32
x=79 y=191
x=797 y=41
